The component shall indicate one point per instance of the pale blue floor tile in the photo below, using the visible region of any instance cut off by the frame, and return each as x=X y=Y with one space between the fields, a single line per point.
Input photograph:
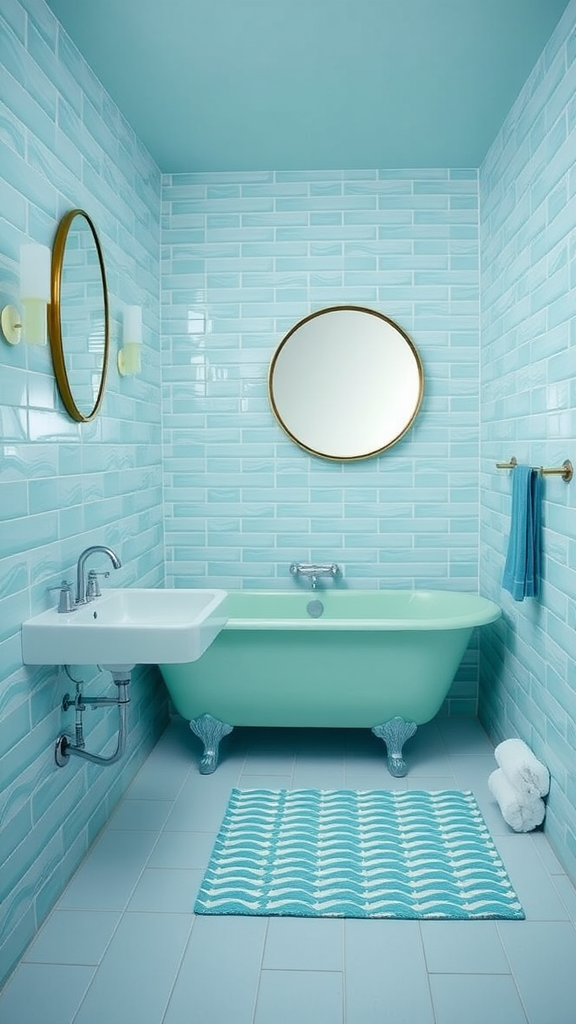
x=106 y=878
x=463 y=947
x=430 y=782
x=374 y=780
x=542 y=956
x=471 y=771
x=321 y=768
x=534 y=887
x=476 y=999
x=362 y=765
x=168 y=764
x=141 y=815
x=269 y=765
x=44 y=994
x=425 y=758
x=219 y=977
x=136 y=976
x=308 y=997
x=175 y=744
x=73 y=937
x=265 y=781
x=464 y=737
x=158 y=781
x=369 y=776
x=182 y=850
x=546 y=854
x=567 y=894
x=171 y=891
x=429 y=765
x=317 y=777
x=385 y=973
x=272 y=753
x=296 y=943
x=200 y=808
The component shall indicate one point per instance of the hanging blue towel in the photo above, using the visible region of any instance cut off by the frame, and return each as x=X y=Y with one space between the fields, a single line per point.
x=523 y=561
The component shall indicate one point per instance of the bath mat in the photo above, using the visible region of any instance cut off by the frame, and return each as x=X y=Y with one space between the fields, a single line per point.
x=356 y=853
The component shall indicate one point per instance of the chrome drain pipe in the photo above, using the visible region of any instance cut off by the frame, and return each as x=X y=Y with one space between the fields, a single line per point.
x=65 y=748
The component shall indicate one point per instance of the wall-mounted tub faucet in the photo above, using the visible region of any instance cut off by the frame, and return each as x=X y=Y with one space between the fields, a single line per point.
x=313 y=571
x=84 y=593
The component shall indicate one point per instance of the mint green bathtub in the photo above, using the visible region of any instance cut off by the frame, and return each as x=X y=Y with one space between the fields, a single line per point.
x=382 y=659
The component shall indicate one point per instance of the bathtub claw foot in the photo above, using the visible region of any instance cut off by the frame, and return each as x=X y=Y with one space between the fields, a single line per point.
x=395 y=733
x=210 y=730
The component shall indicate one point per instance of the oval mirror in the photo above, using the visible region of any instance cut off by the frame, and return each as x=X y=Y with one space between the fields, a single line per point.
x=346 y=383
x=78 y=316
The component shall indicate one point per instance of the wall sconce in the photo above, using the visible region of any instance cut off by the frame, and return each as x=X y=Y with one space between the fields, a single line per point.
x=31 y=324
x=129 y=359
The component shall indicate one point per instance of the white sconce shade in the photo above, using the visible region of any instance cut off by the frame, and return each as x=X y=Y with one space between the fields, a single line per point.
x=132 y=327
x=34 y=296
x=34 y=291
x=129 y=356
x=35 y=272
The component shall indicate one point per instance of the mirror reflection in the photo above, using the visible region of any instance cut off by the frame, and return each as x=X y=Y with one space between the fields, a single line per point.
x=78 y=316
x=346 y=383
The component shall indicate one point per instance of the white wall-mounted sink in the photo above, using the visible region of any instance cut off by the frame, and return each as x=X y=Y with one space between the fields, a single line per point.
x=127 y=627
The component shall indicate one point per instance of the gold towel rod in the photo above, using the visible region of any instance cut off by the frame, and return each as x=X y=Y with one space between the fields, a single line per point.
x=566 y=470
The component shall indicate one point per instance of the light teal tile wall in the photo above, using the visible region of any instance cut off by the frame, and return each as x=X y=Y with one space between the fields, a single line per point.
x=63 y=485
x=250 y=254
x=528 y=230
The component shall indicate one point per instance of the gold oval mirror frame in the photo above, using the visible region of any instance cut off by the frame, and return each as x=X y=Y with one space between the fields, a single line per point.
x=78 y=316
x=346 y=383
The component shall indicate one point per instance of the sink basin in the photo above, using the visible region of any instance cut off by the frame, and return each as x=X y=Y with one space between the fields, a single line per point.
x=127 y=627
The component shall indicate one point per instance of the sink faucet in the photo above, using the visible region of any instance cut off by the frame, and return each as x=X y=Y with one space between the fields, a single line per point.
x=81 y=595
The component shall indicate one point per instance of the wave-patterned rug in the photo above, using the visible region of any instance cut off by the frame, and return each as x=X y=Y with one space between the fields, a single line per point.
x=356 y=853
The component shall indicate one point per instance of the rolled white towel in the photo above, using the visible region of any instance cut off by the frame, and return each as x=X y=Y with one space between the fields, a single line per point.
x=522 y=768
x=523 y=813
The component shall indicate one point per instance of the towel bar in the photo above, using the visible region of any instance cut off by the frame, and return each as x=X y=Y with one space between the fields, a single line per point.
x=566 y=470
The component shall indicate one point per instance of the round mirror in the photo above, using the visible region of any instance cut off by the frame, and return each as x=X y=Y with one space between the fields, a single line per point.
x=78 y=316
x=346 y=383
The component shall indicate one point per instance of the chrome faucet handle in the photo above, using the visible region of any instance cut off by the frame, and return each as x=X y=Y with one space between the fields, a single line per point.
x=93 y=586
x=312 y=569
x=66 y=601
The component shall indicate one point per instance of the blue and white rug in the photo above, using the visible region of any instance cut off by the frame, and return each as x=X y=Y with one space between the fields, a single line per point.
x=356 y=853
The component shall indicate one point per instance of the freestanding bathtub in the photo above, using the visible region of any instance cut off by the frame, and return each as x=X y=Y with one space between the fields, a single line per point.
x=382 y=660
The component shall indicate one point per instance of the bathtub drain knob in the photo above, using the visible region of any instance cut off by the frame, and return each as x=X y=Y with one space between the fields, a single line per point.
x=315 y=609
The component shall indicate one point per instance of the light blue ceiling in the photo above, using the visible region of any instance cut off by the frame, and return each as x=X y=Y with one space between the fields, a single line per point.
x=217 y=85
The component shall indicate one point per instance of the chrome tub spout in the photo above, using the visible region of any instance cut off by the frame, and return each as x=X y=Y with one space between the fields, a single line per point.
x=312 y=571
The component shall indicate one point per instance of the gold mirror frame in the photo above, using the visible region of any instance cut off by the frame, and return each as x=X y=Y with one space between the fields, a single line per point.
x=346 y=383
x=55 y=318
